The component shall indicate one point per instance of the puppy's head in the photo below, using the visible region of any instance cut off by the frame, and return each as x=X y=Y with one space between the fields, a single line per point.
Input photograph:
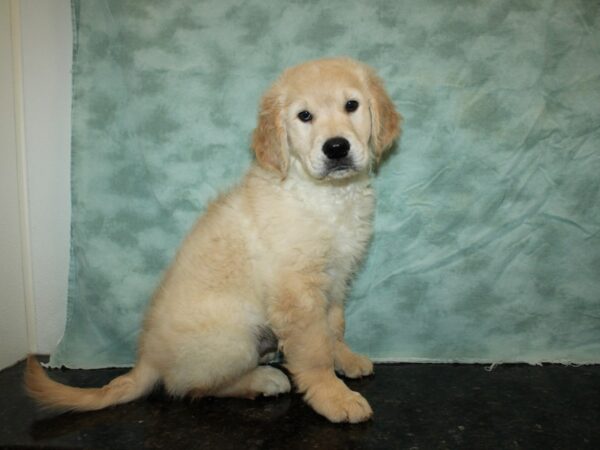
x=332 y=116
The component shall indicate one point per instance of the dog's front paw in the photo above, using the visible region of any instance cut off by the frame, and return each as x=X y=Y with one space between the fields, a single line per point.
x=338 y=403
x=352 y=365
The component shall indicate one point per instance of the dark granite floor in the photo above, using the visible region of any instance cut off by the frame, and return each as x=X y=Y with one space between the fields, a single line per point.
x=417 y=406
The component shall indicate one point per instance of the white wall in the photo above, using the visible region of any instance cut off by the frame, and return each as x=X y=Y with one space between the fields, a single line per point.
x=35 y=101
x=47 y=57
x=13 y=316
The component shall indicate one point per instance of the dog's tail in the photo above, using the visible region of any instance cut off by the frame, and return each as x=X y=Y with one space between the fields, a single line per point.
x=53 y=395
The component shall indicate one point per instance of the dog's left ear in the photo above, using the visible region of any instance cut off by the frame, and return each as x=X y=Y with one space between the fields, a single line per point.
x=385 y=120
x=269 y=140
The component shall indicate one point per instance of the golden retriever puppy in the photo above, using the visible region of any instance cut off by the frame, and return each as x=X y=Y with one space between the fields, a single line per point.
x=268 y=264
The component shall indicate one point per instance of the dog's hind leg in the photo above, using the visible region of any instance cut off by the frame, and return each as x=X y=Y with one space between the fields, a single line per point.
x=225 y=364
x=263 y=380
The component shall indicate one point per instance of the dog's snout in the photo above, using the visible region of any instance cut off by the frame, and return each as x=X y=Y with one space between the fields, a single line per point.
x=336 y=148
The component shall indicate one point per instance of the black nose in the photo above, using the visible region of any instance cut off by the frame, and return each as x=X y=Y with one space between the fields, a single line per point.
x=336 y=148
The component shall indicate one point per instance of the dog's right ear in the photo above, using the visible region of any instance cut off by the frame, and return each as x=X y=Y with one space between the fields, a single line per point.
x=269 y=140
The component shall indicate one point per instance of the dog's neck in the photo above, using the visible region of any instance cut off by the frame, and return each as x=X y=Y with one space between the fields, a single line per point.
x=328 y=195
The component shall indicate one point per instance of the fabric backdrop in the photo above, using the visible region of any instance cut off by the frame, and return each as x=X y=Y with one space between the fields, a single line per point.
x=487 y=235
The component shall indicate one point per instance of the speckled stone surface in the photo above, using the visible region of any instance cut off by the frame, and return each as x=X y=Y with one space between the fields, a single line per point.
x=417 y=406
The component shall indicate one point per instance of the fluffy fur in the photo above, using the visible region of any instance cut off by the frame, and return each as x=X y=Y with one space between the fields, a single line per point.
x=276 y=252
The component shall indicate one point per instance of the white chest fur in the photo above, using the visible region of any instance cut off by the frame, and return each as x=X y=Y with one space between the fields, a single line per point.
x=344 y=209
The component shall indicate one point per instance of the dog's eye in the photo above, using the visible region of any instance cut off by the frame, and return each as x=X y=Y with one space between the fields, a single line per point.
x=351 y=106
x=305 y=116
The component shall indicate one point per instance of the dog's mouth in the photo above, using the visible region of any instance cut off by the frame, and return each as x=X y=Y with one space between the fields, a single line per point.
x=340 y=168
x=333 y=169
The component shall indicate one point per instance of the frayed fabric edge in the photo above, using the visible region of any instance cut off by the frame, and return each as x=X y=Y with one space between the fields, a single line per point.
x=490 y=364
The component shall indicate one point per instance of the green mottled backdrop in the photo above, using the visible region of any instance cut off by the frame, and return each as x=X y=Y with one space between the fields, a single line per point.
x=487 y=242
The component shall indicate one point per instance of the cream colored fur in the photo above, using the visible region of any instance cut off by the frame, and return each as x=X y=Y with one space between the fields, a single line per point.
x=278 y=250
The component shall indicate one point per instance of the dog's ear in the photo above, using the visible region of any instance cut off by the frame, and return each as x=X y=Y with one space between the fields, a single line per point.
x=269 y=140
x=385 y=120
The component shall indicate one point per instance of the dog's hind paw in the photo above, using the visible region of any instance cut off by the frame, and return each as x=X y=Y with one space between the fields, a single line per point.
x=270 y=381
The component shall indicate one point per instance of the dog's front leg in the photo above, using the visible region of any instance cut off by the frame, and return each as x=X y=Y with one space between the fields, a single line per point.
x=299 y=317
x=346 y=362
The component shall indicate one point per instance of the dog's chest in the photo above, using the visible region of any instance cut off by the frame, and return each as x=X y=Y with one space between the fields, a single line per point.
x=351 y=227
x=345 y=217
